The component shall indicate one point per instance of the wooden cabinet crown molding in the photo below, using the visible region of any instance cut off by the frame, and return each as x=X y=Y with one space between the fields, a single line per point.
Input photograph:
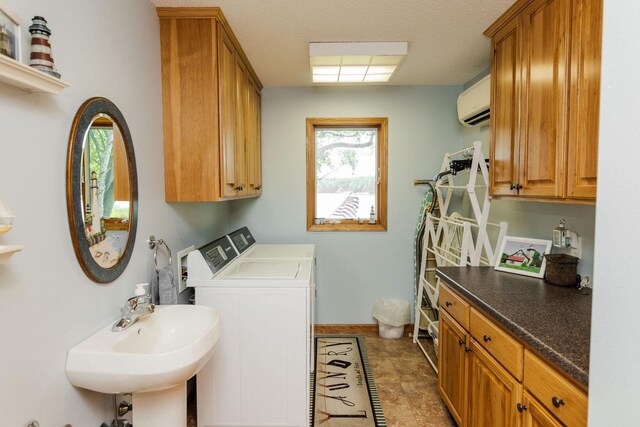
x=210 y=13
x=506 y=17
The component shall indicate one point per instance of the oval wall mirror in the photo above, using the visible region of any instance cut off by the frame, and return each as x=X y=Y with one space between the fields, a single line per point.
x=102 y=190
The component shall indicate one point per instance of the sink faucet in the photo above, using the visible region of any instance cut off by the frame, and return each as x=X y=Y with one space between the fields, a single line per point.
x=134 y=309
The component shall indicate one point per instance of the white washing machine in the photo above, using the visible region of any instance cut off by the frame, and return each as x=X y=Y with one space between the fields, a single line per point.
x=248 y=248
x=259 y=373
x=246 y=245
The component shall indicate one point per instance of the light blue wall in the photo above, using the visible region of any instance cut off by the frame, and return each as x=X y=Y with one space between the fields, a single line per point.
x=354 y=269
x=536 y=219
x=47 y=304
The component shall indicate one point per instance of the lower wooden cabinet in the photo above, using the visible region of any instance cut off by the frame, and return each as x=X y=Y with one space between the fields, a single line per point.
x=494 y=394
x=480 y=376
x=559 y=396
x=534 y=414
x=452 y=367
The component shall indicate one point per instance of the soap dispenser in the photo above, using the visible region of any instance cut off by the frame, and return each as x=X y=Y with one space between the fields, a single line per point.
x=140 y=289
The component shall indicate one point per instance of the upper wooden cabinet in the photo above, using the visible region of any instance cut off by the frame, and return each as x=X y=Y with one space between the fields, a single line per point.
x=545 y=100
x=211 y=109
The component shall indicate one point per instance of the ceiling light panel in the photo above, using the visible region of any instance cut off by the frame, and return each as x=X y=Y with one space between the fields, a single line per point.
x=358 y=62
x=326 y=70
x=352 y=69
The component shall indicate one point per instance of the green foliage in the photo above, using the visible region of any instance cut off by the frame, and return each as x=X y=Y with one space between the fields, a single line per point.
x=100 y=145
x=537 y=260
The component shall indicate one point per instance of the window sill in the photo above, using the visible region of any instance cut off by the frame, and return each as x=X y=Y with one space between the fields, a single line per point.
x=347 y=227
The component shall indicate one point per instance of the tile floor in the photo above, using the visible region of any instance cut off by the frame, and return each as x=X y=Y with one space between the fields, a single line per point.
x=407 y=385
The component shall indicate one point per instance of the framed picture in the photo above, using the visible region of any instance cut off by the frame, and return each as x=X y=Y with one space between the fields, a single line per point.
x=523 y=255
x=9 y=33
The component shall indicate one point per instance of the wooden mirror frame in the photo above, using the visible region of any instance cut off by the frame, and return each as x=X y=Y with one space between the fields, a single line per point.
x=81 y=124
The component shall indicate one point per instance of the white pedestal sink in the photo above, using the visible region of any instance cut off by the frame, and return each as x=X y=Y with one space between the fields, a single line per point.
x=152 y=359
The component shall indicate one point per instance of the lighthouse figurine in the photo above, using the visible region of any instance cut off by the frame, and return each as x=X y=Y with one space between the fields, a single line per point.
x=41 y=57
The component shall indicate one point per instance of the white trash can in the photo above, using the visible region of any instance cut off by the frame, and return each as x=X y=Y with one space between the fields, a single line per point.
x=392 y=315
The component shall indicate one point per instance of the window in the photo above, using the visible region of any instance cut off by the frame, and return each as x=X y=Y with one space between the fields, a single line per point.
x=347 y=174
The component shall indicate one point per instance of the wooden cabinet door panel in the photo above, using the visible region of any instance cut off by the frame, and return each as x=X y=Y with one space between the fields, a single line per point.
x=242 y=104
x=253 y=140
x=257 y=102
x=584 y=92
x=545 y=52
x=453 y=367
x=504 y=110
x=227 y=84
x=535 y=415
x=494 y=394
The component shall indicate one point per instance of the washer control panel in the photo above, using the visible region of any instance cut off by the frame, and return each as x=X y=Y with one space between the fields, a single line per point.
x=242 y=239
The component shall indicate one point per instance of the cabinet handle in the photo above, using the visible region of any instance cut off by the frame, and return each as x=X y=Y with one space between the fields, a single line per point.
x=515 y=186
x=518 y=187
x=448 y=304
x=239 y=187
x=461 y=342
x=486 y=338
x=521 y=407
x=258 y=187
x=557 y=402
x=468 y=350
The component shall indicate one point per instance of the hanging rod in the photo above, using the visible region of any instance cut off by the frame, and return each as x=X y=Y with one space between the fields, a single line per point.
x=423 y=181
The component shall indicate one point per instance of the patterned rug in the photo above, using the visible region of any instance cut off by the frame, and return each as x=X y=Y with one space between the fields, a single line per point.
x=342 y=387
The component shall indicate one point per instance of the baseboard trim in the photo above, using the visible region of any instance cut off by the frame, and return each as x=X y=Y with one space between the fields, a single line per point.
x=355 y=328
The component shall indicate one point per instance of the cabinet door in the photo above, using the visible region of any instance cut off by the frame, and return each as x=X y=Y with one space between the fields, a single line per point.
x=545 y=52
x=254 y=162
x=242 y=103
x=584 y=92
x=504 y=110
x=535 y=415
x=227 y=85
x=493 y=393
x=453 y=367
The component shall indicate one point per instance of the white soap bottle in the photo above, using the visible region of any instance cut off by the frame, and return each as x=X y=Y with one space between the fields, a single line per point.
x=140 y=289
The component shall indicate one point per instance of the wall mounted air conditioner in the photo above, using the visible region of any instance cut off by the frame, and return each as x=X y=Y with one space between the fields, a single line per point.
x=473 y=103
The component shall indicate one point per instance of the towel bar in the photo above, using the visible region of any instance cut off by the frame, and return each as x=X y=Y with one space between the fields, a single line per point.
x=154 y=244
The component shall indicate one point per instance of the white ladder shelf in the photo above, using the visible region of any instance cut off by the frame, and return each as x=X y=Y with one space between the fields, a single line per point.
x=451 y=239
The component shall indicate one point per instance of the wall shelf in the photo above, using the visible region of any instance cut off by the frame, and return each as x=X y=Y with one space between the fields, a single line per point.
x=7 y=251
x=27 y=78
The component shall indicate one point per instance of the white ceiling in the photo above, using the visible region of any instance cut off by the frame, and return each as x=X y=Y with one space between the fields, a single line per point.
x=446 y=45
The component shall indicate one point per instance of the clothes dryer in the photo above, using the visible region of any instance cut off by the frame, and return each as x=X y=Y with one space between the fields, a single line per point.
x=259 y=373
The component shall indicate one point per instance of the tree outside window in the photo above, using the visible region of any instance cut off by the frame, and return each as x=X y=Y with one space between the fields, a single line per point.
x=346 y=174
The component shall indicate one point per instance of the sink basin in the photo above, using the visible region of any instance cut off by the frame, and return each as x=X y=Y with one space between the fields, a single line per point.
x=151 y=359
x=160 y=350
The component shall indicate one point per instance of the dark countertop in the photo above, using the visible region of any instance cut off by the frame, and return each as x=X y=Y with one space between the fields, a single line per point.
x=554 y=321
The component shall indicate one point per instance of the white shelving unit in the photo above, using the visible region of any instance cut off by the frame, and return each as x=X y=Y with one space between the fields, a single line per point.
x=451 y=239
x=6 y=224
x=27 y=78
x=6 y=251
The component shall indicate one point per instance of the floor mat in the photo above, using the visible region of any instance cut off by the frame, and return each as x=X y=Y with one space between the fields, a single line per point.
x=342 y=387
